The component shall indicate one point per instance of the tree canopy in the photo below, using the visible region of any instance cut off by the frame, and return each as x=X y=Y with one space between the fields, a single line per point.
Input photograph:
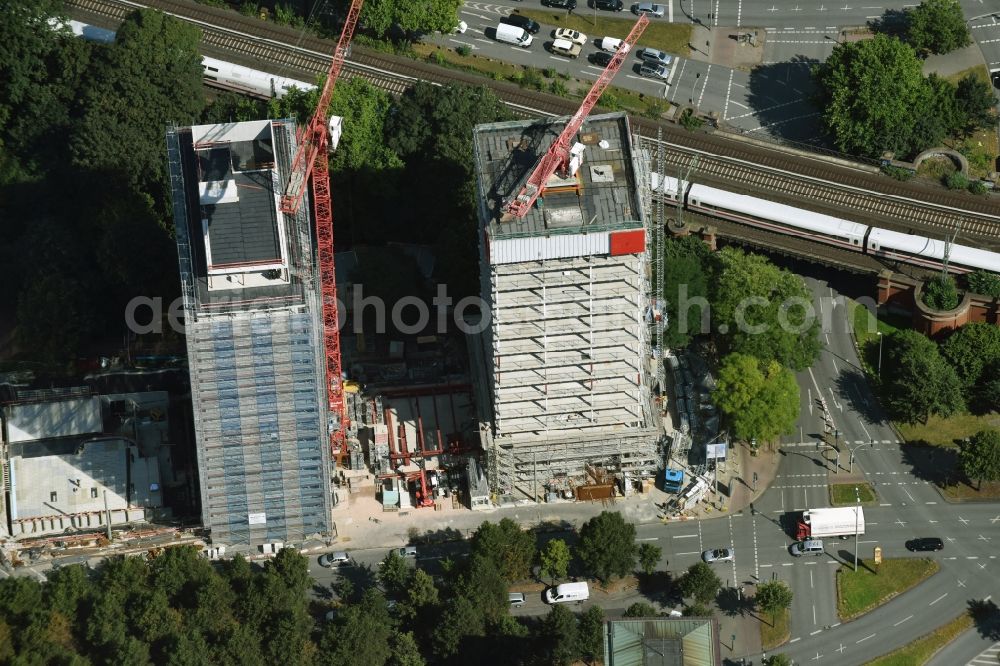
x=916 y=379
x=970 y=350
x=937 y=26
x=688 y=269
x=511 y=548
x=649 y=557
x=872 y=94
x=606 y=547
x=764 y=311
x=554 y=558
x=700 y=582
x=773 y=597
x=980 y=456
x=983 y=282
x=758 y=399
x=381 y=17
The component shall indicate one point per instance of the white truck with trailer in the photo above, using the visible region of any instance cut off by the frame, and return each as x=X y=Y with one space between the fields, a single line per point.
x=830 y=522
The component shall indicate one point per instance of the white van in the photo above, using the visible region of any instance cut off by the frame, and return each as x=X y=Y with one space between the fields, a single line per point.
x=560 y=594
x=513 y=35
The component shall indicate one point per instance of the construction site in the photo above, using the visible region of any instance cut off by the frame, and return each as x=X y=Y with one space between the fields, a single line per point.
x=566 y=374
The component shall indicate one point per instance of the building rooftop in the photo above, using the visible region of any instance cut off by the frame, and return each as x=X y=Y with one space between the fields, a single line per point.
x=600 y=196
x=675 y=641
x=26 y=422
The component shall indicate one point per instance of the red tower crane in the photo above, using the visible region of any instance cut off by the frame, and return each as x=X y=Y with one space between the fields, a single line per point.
x=311 y=161
x=558 y=153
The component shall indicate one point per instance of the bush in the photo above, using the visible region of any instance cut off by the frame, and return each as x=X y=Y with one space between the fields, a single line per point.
x=978 y=187
x=899 y=173
x=248 y=8
x=437 y=58
x=463 y=50
x=956 y=180
x=689 y=121
x=983 y=282
x=655 y=108
x=531 y=78
x=610 y=101
x=941 y=293
x=549 y=73
x=558 y=88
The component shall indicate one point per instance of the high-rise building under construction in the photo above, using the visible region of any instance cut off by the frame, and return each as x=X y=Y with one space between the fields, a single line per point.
x=252 y=320
x=566 y=363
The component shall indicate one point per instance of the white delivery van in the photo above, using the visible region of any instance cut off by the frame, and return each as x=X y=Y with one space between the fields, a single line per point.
x=561 y=594
x=513 y=35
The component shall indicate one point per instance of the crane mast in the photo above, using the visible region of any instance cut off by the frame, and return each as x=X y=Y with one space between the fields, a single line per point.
x=311 y=162
x=558 y=153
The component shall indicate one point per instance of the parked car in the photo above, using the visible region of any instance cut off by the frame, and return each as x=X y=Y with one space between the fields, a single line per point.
x=516 y=599
x=649 y=8
x=718 y=555
x=559 y=4
x=460 y=28
x=570 y=35
x=407 y=551
x=336 y=559
x=925 y=543
x=657 y=72
x=610 y=44
x=659 y=58
x=521 y=22
x=564 y=47
x=610 y=5
x=807 y=547
x=600 y=58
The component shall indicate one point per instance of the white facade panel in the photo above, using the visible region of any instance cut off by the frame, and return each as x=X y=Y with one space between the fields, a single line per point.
x=537 y=248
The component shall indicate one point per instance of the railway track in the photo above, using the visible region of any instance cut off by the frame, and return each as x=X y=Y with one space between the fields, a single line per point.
x=739 y=165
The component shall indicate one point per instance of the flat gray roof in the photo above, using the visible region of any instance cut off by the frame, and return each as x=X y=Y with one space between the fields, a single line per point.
x=33 y=421
x=601 y=195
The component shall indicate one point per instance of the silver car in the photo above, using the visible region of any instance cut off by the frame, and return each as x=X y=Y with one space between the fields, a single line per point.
x=648 y=8
x=657 y=57
x=336 y=559
x=516 y=599
x=654 y=71
x=718 y=555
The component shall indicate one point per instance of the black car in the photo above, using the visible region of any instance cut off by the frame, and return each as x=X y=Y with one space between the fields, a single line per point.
x=521 y=22
x=560 y=4
x=611 y=5
x=601 y=58
x=927 y=543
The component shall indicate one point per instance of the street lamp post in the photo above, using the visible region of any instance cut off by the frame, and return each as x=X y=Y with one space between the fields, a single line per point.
x=697 y=76
x=871 y=443
x=857 y=510
x=879 y=334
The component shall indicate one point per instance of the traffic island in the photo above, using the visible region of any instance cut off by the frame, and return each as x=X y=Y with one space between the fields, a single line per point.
x=842 y=494
x=673 y=38
x=921 y=650
x=775 y=631
x=874 y=584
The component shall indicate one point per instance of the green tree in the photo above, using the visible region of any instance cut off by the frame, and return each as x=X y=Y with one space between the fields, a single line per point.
x=151 y=76
x=941 y=115
x=560 y=636
x=700 y=582
x=987 y=395
x=697 y=609
x=872 y=92
x=591 y=633
x=364 y=109
x=459 y=619
x=393 y=573
x=983 y=282
x=975 y=97
x=641 y=609
x=970 y=350
x=555 y=558
x=413 y=18
x=980 y=456
x=687 y=273
x=757 y=399
x=359 y=635
x=765 y=311
x=649 y=557
x=773 y=597
x=420 y=593
x=405 y=651
x=937 y=26
x=606 y=546
x=941 y=292
x=482 y=583
x=916 y=380
x=511 y=548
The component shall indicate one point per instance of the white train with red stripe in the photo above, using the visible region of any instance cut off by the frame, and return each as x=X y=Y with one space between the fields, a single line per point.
x=774 y=216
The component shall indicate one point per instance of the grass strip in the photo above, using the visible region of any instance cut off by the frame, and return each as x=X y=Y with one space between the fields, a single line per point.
x=871 y=586
x=772 y=637
x=670 y=37
x=920 y=651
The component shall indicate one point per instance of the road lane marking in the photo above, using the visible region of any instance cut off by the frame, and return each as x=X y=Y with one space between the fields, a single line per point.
x=693 y=552
x=866 y=638
x=787 y=564
x=930 y=502
x=938 y=599
x=903 y=620
x=813 y=633
x=964 y=521
x=795 y=639
x=725 y=112
x=649 y=539
x=685 y=536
